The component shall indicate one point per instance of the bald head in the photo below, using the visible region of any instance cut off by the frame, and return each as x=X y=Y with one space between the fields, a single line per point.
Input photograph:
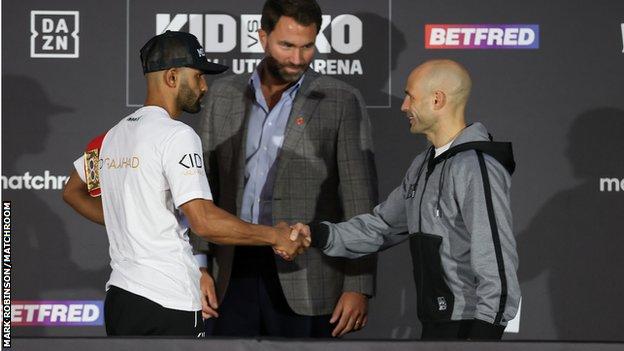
x=446 y=76
x=436 y=94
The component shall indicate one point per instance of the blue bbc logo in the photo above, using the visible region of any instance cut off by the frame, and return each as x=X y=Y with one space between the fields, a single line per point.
x=54 y=34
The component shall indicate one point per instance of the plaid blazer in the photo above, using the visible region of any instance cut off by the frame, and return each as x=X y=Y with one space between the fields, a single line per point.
x=325 y=171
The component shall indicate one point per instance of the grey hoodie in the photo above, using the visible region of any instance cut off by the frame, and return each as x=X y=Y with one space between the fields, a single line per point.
x=455 y=209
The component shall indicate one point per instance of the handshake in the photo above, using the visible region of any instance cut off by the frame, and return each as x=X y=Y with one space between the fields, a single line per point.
x=291 y=240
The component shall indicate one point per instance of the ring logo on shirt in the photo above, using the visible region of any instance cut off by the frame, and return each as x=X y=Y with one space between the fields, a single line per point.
x=92 y=170
x=189 y=161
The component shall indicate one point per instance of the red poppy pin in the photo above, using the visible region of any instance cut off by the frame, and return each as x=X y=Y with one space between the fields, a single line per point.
x=300 y=121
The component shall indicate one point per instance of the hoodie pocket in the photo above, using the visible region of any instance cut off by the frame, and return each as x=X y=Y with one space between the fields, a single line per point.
x=435 y=299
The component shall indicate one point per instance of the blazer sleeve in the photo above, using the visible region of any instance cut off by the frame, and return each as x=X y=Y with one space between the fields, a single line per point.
x=358 y=183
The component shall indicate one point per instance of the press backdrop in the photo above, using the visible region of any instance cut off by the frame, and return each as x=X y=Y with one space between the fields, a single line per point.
x=70 y=70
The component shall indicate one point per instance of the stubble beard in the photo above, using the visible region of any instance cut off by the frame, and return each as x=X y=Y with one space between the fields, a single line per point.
x=188 y=100
x=278 y=70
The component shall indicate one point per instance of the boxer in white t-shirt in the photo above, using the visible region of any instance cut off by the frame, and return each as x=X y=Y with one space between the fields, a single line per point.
x=140 y=179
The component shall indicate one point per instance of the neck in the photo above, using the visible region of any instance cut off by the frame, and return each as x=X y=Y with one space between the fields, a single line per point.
x=272 y=87
x=447 y=130
x=154 y=99
x=270 y=81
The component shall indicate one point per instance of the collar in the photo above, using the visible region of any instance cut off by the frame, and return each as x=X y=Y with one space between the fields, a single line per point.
x=255 y=83
x=441 y=149
x=153 y=109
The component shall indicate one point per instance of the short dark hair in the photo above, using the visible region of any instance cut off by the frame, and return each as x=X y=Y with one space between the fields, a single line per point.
x=304 y=12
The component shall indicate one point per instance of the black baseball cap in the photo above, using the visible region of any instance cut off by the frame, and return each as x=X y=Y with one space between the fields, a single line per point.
x=176 y=49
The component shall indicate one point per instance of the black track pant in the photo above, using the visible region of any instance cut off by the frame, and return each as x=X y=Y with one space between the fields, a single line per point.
x=128 y=314
x=461 y=330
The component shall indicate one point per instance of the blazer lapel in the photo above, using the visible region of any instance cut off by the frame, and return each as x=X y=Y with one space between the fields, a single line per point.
x=302 y=112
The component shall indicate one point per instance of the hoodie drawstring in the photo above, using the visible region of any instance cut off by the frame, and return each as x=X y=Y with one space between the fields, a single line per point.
x=440 y=187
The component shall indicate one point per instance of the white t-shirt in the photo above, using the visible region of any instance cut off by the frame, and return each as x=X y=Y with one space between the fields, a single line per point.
x=150 y=165
x=443 y=148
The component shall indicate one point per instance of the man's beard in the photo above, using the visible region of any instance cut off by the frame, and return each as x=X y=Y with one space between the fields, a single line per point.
x=278 y=70
x=188 y=100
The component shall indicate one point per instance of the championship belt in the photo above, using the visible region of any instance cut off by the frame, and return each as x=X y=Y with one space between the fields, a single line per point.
x=92 y=165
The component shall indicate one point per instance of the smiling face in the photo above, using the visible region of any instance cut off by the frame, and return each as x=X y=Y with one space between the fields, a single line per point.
x=418 y=104
x=289 y=49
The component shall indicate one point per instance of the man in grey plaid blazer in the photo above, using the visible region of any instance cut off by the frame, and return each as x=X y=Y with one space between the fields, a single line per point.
x=322 y=170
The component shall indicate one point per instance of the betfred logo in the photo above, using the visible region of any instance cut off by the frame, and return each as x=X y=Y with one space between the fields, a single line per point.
x=57 y=313
x=54 y=34
x=481 y=36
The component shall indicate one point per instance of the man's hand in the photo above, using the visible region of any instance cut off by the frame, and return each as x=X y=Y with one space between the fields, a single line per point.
x=292 y=241
x=351 y=312
x=208 y=295
x=301 y=229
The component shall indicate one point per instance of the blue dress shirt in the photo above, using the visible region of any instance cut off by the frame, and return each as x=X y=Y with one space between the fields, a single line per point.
x=265 y=135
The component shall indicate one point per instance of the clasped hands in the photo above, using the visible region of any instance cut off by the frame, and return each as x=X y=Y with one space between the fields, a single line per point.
x=291 y=240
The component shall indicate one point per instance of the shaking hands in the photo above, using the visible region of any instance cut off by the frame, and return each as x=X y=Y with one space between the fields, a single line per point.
x=291 y=240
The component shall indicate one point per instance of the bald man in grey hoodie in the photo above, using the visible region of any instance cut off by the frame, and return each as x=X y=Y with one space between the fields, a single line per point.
x=454 y=205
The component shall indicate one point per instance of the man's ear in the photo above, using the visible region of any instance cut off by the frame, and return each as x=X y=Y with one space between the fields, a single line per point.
x=171 y=77
x=439 y=100
x=263 y=35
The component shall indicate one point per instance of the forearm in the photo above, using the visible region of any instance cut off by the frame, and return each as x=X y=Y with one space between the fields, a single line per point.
x=229 y=230
x=77 y=196
x=324 y=240
x=220 y=227
x=89 y=207
x=357 y=237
